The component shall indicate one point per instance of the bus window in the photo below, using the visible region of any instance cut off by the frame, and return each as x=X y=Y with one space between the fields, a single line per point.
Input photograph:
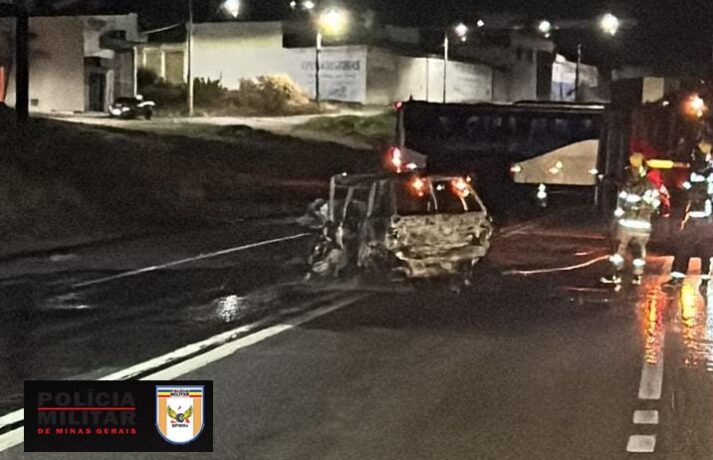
x=538 y=130
x=499 y=133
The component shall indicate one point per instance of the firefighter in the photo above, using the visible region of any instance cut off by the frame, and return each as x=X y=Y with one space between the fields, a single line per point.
x=696 y=235
x=638 y=199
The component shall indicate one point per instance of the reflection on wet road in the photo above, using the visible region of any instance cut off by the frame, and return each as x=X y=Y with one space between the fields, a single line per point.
x=696 y=327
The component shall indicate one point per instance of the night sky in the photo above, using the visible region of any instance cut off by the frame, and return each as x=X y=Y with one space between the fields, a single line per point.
x=670 y=33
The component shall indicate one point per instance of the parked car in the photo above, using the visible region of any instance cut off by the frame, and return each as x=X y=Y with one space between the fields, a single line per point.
x=414 y=226
x=132 y=107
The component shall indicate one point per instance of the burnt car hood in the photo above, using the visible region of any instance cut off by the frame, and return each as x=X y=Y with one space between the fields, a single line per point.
x=439 y=243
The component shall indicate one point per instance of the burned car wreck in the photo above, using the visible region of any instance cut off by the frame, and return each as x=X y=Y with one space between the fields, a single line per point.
x=406 y=226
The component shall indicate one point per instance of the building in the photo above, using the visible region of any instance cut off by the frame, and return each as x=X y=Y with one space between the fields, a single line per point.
x=233 y=51
x=76 y=63
x=499 y=64
x=564 y=80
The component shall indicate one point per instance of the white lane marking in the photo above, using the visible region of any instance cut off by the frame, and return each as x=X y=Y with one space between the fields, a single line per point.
x=188 y=350
x=229 y=348
x=557 y=269
x=15 y=437
x=11 y=438
x=641 y=444
x=646 y=417
x=12 y=417
x=652 y=376
x=187 y=260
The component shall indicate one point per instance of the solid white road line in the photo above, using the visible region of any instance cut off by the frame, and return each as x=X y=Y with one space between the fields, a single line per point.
x=558 y=269
x=188 y=350
x=11 y=439
x=641 y=444
x=652 y=377
x=229 y=348
x=12 y=417
x=15 y=437
x=187 y=260
x=646 y=417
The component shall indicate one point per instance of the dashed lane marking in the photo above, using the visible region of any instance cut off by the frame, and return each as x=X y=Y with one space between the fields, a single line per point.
x=646 y=417
x=176 y=263
x=652 y=376
x=641 y=444
x=651 y=380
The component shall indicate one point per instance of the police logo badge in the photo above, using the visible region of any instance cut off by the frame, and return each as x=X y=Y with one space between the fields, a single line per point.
x=179 y=413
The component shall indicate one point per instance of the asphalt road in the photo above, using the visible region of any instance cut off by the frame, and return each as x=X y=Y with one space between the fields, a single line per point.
x=534 y=362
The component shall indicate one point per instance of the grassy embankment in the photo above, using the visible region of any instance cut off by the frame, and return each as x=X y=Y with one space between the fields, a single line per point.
x=376 y=130
x=65 y=184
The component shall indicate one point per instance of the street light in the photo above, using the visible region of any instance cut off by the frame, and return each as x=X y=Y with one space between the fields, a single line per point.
x=232 y=7
x=461 y=31
x=332 y=22
x=609 y=24
x=545 y=27
x=309 y=5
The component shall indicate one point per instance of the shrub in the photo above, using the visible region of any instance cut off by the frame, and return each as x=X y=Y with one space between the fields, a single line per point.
x=145 y=77
x=208 y=92
x=165 y=94
x=272 y=95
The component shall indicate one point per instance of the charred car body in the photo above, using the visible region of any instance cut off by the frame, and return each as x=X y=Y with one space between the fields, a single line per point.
x=408 y=225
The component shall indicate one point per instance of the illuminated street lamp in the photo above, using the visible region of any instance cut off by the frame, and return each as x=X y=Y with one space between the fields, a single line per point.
x=309 y=5
x=545 y=27
x=333 y=22
x=232 y=7
x=461 y=31
x=609 y=24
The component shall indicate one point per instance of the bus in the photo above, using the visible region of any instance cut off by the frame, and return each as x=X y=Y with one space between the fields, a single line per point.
x=525 y=148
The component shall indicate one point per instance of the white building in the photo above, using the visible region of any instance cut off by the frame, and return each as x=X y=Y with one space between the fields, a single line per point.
x=232 y=51
x=564 y=77
x=76 y=63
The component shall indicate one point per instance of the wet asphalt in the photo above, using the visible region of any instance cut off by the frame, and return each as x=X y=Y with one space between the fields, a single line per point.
x=529 y=363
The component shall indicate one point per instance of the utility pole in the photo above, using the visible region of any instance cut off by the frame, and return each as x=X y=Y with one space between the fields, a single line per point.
x=189 y=57
x=22 y=72
x=445 y=66
x=577 y=75
x=19 y=11
x=317 y=63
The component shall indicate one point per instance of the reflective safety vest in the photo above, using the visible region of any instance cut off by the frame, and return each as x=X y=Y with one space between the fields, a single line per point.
x=638 y=200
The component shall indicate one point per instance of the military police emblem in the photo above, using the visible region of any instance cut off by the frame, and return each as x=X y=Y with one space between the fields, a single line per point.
x=179 y=413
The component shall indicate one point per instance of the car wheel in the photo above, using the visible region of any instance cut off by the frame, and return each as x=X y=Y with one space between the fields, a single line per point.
x=148 y=115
